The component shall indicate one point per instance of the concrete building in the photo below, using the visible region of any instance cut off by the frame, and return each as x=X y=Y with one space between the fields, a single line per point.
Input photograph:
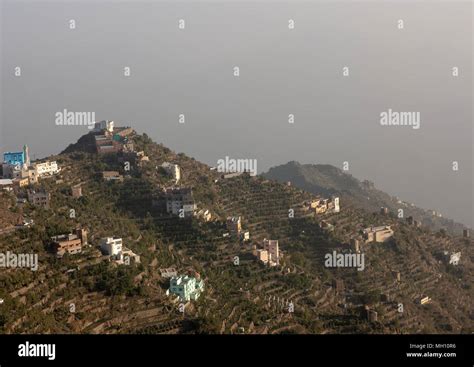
x=104 y=125
x=15 y=164
x=465 y=233
x=112 y=176
x=106 y=145
x=204 y=214
x=180 y=201
x=322 y=206
x=312 y=204
x=31 y=174
x=186 y=288
x=453 y=258
x=39 y=198
x=273 y=250
x=245 y=236
x=69 y=243
x=76 y=191
x=377 y=234
x=168 y=272
x=111 y=246
x=262 y=255
x=108 y=149
x=46 y=169
x=424 y=300
x=270 y=254
x=6 y=184
x=234 y=225
x=14 y=158
x=20 y=159
x=11 y=171
x=82 y=234
x=232 y=175
x=334 y=205
x=21 y=182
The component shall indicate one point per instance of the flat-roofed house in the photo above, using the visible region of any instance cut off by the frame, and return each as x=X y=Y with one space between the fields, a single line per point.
x=45 y=169
x=234 y=225
x=112 y=176
x=6 y=184
x=272 y=248
x=186 y=288
x=111 y=246
x=378 y=234
x=69 y=243
x=168 y=272
x=76 y=191
x=39 y=198
x=180 y=201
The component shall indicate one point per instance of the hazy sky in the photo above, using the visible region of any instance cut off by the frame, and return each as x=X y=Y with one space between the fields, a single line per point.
x=282 y=72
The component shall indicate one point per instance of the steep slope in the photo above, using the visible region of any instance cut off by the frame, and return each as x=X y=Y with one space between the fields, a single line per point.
x=241 y=294
x=9 y=215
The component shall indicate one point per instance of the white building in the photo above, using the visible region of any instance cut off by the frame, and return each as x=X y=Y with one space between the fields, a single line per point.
x=6 y=184
x=104 y=125
x=46 y=169
x=173 y=170
x=335 y=203
x=111 y=246
x=454 y=257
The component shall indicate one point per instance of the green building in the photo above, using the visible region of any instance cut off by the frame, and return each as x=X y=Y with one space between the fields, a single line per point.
x=186 y=287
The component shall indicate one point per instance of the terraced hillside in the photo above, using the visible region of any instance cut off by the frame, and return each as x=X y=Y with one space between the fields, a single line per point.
x=85 y=293
x=326 y=180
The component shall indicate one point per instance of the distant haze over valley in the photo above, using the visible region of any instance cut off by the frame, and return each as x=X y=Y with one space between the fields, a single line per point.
x=190 y=71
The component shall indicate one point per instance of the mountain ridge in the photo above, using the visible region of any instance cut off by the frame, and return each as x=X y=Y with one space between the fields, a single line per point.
x=326 y=179
x=114 y=298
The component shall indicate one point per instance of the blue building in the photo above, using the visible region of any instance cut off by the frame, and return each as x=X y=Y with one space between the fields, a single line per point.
x=17 y=158
x=14 y=158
